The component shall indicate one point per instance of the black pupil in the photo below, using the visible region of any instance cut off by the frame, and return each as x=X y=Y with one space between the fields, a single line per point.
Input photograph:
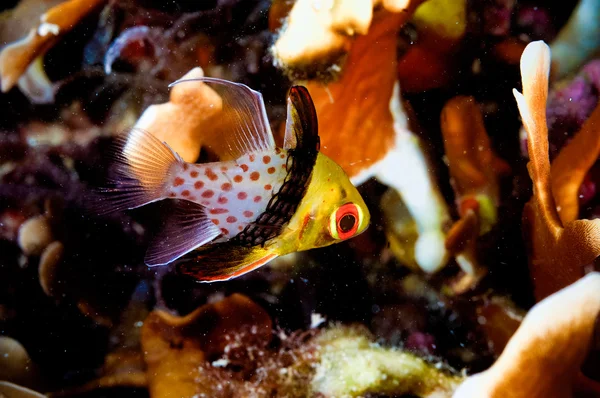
x=347 y=222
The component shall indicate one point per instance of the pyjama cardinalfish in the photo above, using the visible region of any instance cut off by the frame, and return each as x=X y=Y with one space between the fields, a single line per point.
x=233 y=216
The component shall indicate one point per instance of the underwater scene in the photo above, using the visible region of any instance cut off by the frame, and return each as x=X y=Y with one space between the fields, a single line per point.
x=299 y=198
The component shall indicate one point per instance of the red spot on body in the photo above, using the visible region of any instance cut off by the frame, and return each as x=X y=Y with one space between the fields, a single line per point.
x=248 y=213
x=252 y=157
x=218 y=211
x=205 y=202
x=268 y=187
x=266 y=159
x=282 y=156
x=271 y=170
x=223 y=168
x=222 y=200
x=215 y=221
x=178 y=181
x=255 y=175
x=192 y=198
x=244 y=167
x=172 y=194
x=224 y=231
x=198 y=184
x=207 y=194
x=237 y=178
x=185 y=192
x=242 y=195
x=193 y=174
x=240 y=228
x=226 y=187
x=257 y=199
x=304 y=224
x=185 y=167
x=231 y=219
x=210 y=174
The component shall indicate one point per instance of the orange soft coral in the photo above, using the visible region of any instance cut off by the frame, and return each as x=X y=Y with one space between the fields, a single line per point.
x=17 y=57
x=475 y=171
x=571 y=165
x=558 y=251
x=188 y=119
x=544 y=356
x=317 y=35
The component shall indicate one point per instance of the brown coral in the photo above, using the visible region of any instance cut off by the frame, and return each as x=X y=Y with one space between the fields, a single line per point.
x=16 y=58
x=475 y=171
x=176 y=348
x=559 y=251
x=333 y=27
x=544 y=357
x=571 y=165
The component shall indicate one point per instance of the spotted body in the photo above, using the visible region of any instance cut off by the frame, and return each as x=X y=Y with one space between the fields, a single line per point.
x=259 y=202
x=235 y=192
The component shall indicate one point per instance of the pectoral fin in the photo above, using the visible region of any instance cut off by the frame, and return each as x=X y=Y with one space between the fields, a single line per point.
x=222 y=262
x=185 y=229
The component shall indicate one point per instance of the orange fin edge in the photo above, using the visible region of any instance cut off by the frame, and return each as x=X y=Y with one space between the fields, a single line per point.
x=220 y=263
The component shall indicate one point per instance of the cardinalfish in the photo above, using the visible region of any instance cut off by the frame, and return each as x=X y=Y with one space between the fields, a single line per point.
x=263 y=201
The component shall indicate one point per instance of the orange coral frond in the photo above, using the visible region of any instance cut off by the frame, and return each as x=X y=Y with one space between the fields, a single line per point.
x=60 y=19
x=188 y=120
x=544 y=356
x=535 y=68
x=572 y=164
x=362 y=95
x=557 y=254
x=474 y=167
x=315 y=37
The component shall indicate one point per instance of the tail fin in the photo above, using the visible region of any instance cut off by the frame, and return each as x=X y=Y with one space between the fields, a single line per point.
x=143 y=165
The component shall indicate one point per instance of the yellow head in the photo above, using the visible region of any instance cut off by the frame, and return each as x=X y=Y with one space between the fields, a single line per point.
x=331 y=211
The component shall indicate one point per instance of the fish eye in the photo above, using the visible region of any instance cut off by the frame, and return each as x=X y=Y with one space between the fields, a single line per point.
x=344 y=221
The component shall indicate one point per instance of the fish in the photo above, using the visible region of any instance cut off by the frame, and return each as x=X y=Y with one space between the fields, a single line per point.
x=258 y=202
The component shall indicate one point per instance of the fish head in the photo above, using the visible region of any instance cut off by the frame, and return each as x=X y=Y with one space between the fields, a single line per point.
x=332 y=209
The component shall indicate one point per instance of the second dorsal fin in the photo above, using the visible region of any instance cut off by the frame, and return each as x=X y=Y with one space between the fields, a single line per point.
x=301 y=128
x=242 y=123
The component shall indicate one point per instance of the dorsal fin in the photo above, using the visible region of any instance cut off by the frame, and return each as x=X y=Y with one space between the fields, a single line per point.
x=243 y=119
x=301 y=128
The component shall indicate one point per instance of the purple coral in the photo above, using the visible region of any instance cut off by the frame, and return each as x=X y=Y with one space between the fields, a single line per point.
x=497 y=17
x=570 y=105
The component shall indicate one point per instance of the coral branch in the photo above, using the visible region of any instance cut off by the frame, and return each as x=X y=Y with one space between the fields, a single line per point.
x=558 y=252
x=16 y=58
x=544 y=357
x=571 y=165
x=318 y=35
x=192 y=108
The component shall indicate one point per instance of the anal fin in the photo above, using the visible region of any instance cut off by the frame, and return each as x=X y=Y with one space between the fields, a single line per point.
x=186 y=228
x=224 y=261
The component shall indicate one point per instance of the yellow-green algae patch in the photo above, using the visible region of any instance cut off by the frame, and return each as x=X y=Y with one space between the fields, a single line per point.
x=352 y=365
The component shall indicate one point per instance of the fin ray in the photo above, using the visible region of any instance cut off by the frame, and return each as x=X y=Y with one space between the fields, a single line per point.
x=186 y=228
x=141 y=166
x=243 y=117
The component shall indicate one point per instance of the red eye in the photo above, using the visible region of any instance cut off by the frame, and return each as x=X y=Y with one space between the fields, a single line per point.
x=346 y=221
